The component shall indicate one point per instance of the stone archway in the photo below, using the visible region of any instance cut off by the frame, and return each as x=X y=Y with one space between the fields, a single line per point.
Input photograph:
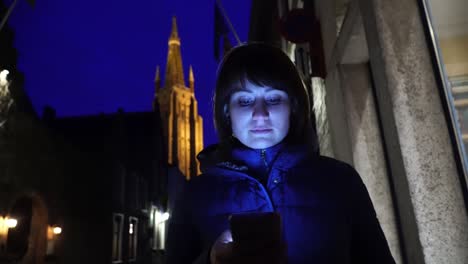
x=35 y=250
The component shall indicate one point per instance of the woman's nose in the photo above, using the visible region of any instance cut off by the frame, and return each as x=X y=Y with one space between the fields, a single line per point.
x=260 y=111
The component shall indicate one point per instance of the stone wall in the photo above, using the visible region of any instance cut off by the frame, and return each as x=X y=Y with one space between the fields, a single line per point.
x=367 y=148
x=321 y=117
x=416 y=134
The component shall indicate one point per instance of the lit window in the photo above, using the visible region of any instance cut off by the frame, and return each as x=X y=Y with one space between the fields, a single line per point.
x=159 y=225
x=450 y=39
x=132 y=238
x=118 y=220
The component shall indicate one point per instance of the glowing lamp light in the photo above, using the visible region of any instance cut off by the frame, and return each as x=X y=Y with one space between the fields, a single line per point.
x=130 y=229
x=53 y=232
x=57 y=230
x=11 y=223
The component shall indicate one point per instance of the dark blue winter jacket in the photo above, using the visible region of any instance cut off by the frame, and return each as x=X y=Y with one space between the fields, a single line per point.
x=327 y=215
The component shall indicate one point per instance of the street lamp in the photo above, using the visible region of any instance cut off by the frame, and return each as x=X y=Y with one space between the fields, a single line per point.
x=53 y=233
x=6 y=223
x=11 y=223
x=57 y=230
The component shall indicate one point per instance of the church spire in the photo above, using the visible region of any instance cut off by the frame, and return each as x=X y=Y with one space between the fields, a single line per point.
x=191 y=79
x=174 y=70
x=174 y=32
x=157 y=81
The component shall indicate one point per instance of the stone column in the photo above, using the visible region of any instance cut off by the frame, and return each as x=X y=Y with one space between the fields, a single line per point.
x=328 y=102
x=428 y=192
x=367 y=149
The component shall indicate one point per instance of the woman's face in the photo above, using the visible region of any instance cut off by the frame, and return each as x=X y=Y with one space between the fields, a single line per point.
x=259 y=115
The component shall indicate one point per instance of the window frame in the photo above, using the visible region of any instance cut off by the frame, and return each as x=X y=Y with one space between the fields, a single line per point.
x=117 y=258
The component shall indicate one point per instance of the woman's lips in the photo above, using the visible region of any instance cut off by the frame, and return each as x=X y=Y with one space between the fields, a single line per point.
x=261 y=130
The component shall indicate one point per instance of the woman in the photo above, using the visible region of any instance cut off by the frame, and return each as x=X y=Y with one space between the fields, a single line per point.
x=267 y=161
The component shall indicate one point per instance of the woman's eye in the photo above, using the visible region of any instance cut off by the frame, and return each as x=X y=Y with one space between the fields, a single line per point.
x=245 y=101
x=273 y=100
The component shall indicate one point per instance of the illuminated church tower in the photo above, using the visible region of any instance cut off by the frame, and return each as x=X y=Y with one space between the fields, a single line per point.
x=183 y=127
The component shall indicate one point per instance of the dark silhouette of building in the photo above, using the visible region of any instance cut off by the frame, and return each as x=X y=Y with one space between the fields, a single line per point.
x=88 y=189
x=115 y=165
x=97 y=188
x=100 y=179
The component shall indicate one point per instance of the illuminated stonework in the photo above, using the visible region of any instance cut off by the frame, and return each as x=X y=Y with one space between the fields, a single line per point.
x=5 y=99
x=183 y=127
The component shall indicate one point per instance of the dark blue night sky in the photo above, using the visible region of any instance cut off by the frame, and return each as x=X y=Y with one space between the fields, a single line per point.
x=94 y=56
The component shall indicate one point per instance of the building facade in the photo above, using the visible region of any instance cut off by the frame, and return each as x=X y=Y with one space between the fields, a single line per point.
x=82 y=189
x=90 y=189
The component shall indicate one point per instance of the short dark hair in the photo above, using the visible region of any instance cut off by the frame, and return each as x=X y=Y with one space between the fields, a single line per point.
x=263 y=65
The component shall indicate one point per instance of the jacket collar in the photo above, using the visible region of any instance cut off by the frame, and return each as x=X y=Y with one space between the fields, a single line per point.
x=258 y=161
x=238 y=157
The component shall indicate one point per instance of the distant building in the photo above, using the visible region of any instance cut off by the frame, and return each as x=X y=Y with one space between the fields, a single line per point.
x=88 y=189
x=94 y=189
x=117 y=174
x=31 y=178
x=183 y=126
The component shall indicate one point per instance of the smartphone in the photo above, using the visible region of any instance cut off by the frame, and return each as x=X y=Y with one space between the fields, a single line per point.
x=256 y=227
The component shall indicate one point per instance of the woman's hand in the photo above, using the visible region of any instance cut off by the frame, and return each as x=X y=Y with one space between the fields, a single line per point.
x=226 y=251
x=223 y=249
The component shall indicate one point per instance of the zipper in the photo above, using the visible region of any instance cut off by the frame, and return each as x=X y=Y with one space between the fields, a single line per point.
x=266 y=175
x=263 y=157
x=267 y=195
x=262 y=187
